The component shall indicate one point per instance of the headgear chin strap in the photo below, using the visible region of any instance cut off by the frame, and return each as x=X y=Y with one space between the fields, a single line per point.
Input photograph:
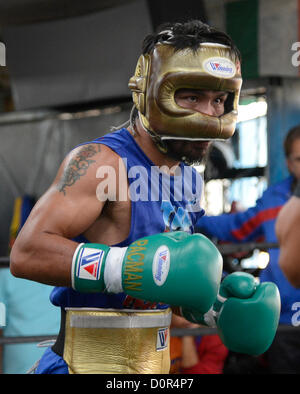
x=160 y=74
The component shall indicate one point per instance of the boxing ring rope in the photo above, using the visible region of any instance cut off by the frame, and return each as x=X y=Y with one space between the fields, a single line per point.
x=225 y=249
x=4 y=262
x=174 y=332
x=26 y=339
x=228 y=248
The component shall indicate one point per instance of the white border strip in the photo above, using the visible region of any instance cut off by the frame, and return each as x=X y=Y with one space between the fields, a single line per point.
x=125 y=321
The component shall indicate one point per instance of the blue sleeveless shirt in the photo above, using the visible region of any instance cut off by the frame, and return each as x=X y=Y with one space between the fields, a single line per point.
x=159 y=203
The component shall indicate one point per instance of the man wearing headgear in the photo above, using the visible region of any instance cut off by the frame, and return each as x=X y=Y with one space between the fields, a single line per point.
x=121 y=261
x=170 y=69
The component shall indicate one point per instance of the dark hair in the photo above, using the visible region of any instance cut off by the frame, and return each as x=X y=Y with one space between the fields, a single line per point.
x=292 y=135
x=187 y=35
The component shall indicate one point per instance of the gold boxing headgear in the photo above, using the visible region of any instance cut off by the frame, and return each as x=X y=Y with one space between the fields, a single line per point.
x=159 y=75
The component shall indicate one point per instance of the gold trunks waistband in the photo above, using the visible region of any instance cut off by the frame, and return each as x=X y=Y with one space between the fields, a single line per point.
x=112 y=341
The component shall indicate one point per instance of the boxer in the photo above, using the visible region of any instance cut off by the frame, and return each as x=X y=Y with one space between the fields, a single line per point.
x=120 y=264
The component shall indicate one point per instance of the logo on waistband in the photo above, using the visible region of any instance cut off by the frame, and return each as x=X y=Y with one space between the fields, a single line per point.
x=219 y=67
x=162 y=338
x=89 y=264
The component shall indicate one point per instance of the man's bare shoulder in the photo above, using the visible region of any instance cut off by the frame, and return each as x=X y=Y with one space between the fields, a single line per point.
x=81 y=164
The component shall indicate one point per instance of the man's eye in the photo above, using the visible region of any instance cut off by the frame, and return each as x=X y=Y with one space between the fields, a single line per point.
x=192 y=99
x=219 y=100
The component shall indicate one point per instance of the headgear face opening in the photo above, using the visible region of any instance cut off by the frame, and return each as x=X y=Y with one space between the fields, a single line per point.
x=159 y=75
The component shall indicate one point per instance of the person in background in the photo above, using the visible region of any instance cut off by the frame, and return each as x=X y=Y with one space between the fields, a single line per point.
x=202 y=354
x=258 y=223
x=288 y=233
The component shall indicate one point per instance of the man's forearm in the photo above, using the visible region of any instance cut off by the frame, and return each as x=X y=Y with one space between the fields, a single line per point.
x=46 y=259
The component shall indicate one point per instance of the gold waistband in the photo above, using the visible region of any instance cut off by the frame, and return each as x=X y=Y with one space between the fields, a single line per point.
x=104 y=341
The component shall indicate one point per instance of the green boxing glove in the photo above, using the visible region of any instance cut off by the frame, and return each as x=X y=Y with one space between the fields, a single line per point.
x=175 y=268
x=245 y=313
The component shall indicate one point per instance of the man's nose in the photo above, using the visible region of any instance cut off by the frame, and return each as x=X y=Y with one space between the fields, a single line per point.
x=206 y=107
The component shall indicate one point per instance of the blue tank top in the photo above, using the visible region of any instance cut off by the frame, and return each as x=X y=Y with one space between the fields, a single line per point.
x=159 y=203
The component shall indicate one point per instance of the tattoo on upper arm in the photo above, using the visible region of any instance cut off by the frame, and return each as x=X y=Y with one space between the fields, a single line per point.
x=78 y=166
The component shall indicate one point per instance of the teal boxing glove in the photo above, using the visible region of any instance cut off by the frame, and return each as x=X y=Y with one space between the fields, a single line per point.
x=246 y=313
x=175 y=268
